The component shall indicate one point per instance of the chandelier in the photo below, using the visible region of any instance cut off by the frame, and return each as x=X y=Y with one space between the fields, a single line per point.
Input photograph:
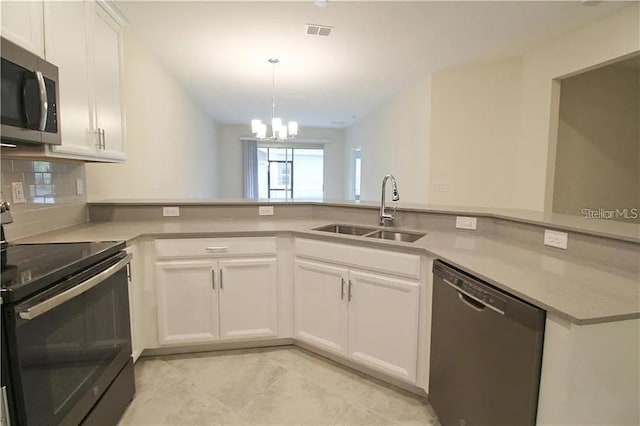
x=279 y=131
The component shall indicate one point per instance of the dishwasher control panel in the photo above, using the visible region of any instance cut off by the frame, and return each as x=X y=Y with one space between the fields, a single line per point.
x=471 y=287
x=485 y=296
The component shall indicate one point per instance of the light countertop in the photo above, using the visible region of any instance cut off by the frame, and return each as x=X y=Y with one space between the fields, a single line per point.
x=579 y=291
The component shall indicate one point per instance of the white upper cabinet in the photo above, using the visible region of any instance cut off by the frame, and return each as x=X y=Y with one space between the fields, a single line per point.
x=67 y=46
x=22 y=23
x=84 y=40
x=107 y=83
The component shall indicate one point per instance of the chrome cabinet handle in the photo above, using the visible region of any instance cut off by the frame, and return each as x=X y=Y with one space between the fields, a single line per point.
x=221 y=286
x=216 y=248
x=99 y=142
x=342 y=289
x=103 y=142
x=44 y=104
x=65 y=296
x=213 y=278
x=350 y=294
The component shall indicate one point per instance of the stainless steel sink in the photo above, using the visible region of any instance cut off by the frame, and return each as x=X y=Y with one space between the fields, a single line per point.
x=337 y=228
x=407 y=237
x=383 y=234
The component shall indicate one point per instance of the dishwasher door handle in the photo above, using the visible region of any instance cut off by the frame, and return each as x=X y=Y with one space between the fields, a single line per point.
x=472 y=297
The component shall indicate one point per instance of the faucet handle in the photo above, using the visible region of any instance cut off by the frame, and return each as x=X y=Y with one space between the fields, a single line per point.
x=394 y=190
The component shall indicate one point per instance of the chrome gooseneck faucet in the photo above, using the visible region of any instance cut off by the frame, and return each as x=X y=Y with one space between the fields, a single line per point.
x=388 y=217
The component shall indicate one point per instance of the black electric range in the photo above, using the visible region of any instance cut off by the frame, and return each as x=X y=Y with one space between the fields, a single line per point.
x=66 y=333
x=30 y=268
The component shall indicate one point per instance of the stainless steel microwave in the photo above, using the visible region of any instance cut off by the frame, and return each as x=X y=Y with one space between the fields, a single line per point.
x=29 y=97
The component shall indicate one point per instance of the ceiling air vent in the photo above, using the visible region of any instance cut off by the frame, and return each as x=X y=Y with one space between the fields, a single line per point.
x=318 y=30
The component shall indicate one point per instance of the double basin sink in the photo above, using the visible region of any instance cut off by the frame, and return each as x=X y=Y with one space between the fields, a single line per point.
x=381 y=234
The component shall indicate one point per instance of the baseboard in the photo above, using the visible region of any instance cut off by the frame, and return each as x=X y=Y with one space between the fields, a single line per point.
x=219 y=346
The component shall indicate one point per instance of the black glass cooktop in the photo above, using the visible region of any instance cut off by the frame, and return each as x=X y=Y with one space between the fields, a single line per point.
x=29 y=268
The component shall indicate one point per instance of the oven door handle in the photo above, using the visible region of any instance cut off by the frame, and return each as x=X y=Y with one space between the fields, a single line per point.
x=59 y=299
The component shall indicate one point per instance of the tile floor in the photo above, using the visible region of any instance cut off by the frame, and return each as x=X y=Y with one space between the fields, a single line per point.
x=271 y=386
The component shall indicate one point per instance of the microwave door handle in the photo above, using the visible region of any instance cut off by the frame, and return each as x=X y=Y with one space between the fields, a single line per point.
x=44 y=104
x=65 y=296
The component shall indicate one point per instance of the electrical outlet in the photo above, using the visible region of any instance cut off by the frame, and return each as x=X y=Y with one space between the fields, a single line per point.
x=464 y=222
x=171 y=211
x=17 y=193
x=556 y=239
x=265 y=210
x=440 y=187
x=79 y=187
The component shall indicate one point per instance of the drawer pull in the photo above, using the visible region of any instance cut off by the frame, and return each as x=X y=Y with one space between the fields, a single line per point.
x=216 y=248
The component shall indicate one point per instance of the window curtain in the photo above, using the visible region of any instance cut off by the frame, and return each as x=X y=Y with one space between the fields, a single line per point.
x=250 y=162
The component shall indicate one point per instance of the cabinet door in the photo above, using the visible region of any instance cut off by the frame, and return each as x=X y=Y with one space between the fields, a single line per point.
x=22 y=23
x=383 y=323
x=136 y=301
x=187 y=302
x=248 y=298
x=320 y=307
x=107 y=81
x=67 y=46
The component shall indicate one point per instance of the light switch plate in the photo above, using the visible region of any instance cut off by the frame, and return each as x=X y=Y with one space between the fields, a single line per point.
x=556 y=239
x=171 y=211
x=265 y=210
x=79 y=187
x=17 y=193
x=464 y=222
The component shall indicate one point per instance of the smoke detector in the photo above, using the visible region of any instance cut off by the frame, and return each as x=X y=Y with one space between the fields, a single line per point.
x=318 y=30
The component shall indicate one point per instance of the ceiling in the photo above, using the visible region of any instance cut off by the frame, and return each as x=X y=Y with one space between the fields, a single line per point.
x=219 y=50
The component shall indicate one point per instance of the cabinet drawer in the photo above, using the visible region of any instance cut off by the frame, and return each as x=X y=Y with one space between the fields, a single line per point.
x=403 y=264
x=214 y=247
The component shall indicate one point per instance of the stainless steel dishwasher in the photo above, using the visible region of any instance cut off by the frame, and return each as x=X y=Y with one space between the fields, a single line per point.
x=486 y=352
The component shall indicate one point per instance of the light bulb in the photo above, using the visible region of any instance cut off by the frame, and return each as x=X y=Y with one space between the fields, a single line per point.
x=262 y=131
x=293 y=128
x=255 y=126
x=283 y=132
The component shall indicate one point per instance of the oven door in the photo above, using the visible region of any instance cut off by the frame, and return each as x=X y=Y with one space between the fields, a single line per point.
x=68 y=344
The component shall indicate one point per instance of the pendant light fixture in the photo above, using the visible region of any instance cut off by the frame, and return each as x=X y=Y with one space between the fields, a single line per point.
x=279 y=131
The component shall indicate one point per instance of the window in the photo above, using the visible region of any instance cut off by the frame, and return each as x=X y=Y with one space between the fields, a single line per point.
x=357 y=154
x=290 y=173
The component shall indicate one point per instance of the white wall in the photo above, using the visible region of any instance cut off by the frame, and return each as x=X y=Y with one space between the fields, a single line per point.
x=231 y=168
x=598 y=141
x=171 y=141
x=610 y=38
x=475 y=120
x=487 y=130
x=394 y=139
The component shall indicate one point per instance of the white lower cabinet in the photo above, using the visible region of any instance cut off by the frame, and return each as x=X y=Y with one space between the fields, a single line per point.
x=320 y=306
x=372 y=319
x=248 y=298
x=202 y=301
x=187 y=302
x=383 y=323
x=136 y=301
